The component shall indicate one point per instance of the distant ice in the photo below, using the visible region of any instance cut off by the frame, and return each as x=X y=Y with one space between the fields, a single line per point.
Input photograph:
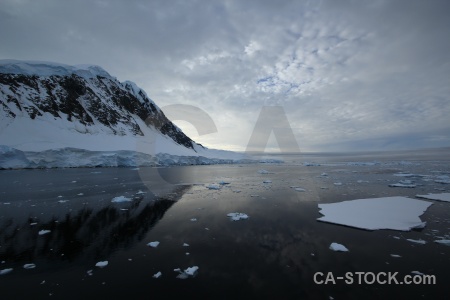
x=223 y=182
x=443 y=242
x=194 y=220
x=157 y=275
x=263 y=172
x=29 y=266
x=395 y=255
x=185 y=245
x=337 y=183
x=403 y=184
x=338 y=247
x=404 y=174
x=417 y=273
x=42 y=232
x=438 y=197
x=267 y=181
x=213 y=186
x=102 y=264
x=397 y=213
x=298 y=189
x=421 y=242
x=237 y=216
x=153 y=244
x=120 y=199
x=6 y=271
x=189 y=272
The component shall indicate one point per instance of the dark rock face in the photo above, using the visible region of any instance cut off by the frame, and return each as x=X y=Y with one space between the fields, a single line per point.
x=89 y=101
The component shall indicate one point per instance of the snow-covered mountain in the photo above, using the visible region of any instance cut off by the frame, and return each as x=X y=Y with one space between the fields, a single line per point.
x=47 y=107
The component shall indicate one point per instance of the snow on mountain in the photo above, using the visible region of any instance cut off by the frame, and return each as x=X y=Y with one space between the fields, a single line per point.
x=49 y=106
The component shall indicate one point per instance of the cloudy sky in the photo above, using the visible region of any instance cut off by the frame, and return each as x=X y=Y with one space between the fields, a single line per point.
x=346 y=75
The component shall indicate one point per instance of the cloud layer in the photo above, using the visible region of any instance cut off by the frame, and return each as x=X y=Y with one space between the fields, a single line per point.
x=350 y=75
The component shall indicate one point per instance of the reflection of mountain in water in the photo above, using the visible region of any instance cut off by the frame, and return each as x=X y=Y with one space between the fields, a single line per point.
x=85 y=234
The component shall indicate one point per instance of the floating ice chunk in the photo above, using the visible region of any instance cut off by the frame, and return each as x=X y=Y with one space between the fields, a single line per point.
x=442 y=181
x=417 y=273
x=443 y=242
x=405 y=174
x=267 y=181
x=62 y=201
x=438 y=197
x=403 y=184
x=338 y=247
x=187 y=253
x=6 y=271
x=263 y=172
x=29 y=266
x=185 y=245
x=421 y=242
x=237 y=216
x=191 y=270
x=337 y=183
x=397 y=213
x=324 y=174
x=120 y=199
x=213 y=186
x=311 y=164
x=140 y=192
x=194 y=220
x=42 y=232
x=395 y=255
x=80 y=194
x=102 y=264
x=222 y=182
x=254 y=195
x=157 y=275
x=153 y=244
x=32 y=224
x=236 y=191
x=299 y=189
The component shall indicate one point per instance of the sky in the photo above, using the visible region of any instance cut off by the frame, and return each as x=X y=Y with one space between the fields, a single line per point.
x=335 y=75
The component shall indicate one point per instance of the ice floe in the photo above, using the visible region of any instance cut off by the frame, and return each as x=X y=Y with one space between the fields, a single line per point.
x=153 y=244
x=6 y=271
x=338 y=247
x=42 y=232
x=443 y=242
x=185 y=245
x=102 y=264
x=213 y=186
x=395 y=255
x=397 y=213
x=29 y=266
x=237 y=216
x=120 y=199
x=157 y=275
x=438 y=197
x=404 y=184
x=421 y=242
x=194 y=220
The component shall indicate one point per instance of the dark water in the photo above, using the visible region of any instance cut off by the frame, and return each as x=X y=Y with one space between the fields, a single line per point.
x=272 y=255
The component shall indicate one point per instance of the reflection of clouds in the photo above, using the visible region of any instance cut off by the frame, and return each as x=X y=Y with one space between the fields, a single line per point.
x=83 y=234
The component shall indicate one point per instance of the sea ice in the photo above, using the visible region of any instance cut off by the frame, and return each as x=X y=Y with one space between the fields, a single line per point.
x=153 y=244
x=185 y=245
x=438 y=197
x=102 y=264
x=397 y=213
x=443 y=242
x=338 y=247
x=29 y=266
x=395 y=255
x=404 y=184
x=42 y=232
x=213 y=186
x=120 y=199
x=337 y=183
x=421 y=242
x=5 y=271
x=191 y=271
x=157 y=275
x=194 y=220
x=237 y=216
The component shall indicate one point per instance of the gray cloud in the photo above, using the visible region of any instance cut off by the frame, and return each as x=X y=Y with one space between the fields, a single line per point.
x=348 y=73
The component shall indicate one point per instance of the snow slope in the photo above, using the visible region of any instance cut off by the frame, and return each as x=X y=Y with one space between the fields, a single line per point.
x=49 y=106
